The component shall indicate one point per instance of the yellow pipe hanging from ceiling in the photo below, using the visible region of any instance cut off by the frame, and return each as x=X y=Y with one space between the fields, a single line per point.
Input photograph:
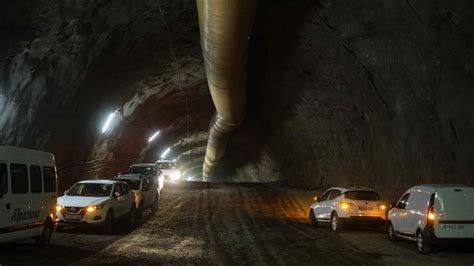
x=225 y=28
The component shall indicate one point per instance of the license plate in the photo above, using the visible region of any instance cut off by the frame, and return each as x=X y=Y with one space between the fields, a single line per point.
x=73 y=216
x=453 y=226
x=365 y=208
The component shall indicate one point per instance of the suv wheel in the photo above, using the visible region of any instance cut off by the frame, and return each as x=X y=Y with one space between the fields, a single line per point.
x=422 y=244
x=336 y=225
x=108 y=226
x=312 y=218
x=45 y=238
x=391 y=233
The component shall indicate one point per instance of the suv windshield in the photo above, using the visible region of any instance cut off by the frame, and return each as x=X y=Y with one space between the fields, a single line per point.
x=168 y=166
x=361 y=195
x=142 y=170
x=90 y=190
x=134 y=184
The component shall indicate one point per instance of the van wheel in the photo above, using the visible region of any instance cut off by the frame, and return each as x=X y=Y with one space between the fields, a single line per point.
x=45 y=239
x=108 y=226
x=154 y=206
x=336 y=225
x=312 y=218
x=422 y=243
x=391 y=233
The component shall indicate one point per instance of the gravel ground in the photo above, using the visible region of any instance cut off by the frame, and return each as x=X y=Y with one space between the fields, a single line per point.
x=230 y=224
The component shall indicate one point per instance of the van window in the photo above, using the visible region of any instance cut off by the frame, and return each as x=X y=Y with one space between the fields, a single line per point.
x=36 y=179
x=49 y=179
x=19 y=177
x=402 y=203
x=3 y=178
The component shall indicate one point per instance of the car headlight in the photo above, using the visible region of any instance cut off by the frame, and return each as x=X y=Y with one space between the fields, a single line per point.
x=94 y=208
x=175 y=175
x=59 y=208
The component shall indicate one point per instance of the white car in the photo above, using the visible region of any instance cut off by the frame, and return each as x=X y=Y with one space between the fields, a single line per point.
x=170 y=169
x=96 y=203
x=150 y=170
x=28 y=193
x=348 y=205
x=145 y=190
x=432 y=214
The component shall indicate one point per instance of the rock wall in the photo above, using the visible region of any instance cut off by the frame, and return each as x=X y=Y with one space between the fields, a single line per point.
x=375 y=93
x=340 y=92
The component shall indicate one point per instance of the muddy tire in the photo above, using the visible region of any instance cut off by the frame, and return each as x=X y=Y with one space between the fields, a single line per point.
x=154 y=206
x=108 y=226
x=140 y=211
x=132 y=217
x=336 y=225
x=312 y=219
x=45 y=239
x=422 y=243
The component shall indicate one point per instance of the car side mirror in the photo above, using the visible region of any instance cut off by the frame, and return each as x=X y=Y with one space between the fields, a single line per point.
x=116 y=194
x=393 y=205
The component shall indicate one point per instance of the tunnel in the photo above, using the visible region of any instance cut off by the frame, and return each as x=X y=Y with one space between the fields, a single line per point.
x=307 y=94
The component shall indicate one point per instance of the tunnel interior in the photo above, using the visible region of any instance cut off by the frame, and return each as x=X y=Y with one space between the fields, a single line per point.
x=375 y=93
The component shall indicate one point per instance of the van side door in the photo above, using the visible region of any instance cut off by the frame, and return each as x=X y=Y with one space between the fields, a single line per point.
x=398 y=215
x=20 y=211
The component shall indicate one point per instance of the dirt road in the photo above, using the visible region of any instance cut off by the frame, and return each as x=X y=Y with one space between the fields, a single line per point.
x=229 y=224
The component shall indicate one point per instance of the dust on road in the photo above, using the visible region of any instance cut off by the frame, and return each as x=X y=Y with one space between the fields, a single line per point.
x=229 y=224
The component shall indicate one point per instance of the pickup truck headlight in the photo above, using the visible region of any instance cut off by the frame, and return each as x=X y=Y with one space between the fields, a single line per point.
x=175 y=175
x=94 y=208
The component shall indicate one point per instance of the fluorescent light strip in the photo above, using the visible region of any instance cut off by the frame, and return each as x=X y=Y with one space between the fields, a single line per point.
x=154 y=136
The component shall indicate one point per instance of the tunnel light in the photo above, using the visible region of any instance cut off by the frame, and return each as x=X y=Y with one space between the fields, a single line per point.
x=108 y=122
x=154 y=136
x=163 y=155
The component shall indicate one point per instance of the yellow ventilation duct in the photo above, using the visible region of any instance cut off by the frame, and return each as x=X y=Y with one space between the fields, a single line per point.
x=225 y=27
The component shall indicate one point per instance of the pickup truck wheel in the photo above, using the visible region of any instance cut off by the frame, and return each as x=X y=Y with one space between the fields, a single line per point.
x=108 y=226
x=312 y=218
x=154 y=206
x=140 y=211
x=45 y=239
x=132 y=217
x=336 y=225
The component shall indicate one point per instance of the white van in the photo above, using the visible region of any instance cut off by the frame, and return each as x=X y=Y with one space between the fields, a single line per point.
x=28 y=194
x=432 y=214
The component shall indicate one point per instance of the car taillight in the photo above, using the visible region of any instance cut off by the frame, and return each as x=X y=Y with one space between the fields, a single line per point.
x=430 y=214
x=346 y=205
x=381 y=206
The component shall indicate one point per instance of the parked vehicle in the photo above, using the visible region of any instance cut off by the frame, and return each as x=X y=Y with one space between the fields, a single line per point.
x=28 y=194
x=170 y=169
x=96 y=203
x=145 y=190
x=348 y=205
x=150 y=170
x=432 y=214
